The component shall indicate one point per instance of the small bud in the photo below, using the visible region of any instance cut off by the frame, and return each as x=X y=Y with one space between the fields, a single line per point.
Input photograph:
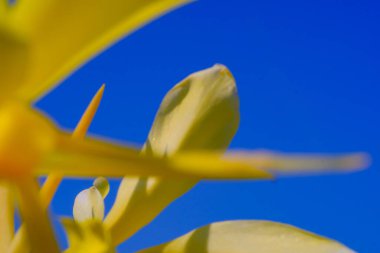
x=88 y=205
x=200 y=112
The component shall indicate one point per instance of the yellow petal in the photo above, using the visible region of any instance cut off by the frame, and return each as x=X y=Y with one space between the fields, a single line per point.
x=92 y=157
x=88 y=205
x=62 y=35
x=95 y=157
x=294 y=164
x=250 y=237
x=3 y=8
x=6 y=214
x=42 y=149
x=35 y=217
x=4 y=11
x=20 y=242
x=211 y=165
x=87 y=237
x=139 y=201
x=13 y=61
x=201 y=112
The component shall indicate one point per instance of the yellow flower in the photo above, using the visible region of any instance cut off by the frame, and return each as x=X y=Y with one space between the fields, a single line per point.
x=206 y=100
x=41 y=42
x=20 y=242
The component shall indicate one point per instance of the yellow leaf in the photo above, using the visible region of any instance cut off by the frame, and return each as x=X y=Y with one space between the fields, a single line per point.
x=249 y=237
x=62 y=35
x=199 y=113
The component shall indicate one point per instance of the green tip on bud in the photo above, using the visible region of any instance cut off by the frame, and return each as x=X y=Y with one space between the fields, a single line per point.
x=101 y=183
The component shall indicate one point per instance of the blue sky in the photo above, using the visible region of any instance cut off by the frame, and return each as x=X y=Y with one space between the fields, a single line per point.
x=308 y=79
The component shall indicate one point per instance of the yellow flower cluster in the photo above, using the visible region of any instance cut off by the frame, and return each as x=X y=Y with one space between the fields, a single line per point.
x=193 y=127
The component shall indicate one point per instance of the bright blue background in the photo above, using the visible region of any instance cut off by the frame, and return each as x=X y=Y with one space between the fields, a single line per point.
x=308 y=78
